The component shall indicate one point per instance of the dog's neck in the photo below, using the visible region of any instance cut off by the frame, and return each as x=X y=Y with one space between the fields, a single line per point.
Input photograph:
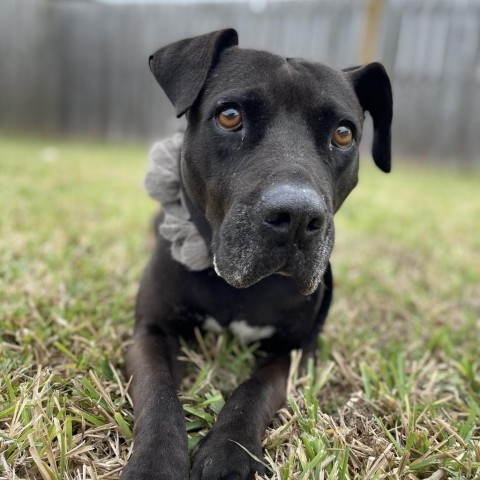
x=197 y=217
x=183 y=226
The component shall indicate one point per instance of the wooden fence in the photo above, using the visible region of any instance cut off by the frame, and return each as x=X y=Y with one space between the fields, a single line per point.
x=79 y=68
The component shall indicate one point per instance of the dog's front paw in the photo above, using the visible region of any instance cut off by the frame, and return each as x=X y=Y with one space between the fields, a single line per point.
x=221 y=458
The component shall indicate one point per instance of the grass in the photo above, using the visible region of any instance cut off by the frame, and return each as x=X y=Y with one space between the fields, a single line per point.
x=396 y=391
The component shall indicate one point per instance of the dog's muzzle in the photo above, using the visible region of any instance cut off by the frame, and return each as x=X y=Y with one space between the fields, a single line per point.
x=288 y=232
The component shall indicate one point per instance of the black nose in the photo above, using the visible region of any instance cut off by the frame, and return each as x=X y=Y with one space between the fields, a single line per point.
x=293 y=213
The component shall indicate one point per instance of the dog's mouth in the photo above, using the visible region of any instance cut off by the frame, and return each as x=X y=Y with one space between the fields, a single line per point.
x=244 y=263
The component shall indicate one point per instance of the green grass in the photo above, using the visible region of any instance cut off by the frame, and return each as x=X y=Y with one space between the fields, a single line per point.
x=396 y=391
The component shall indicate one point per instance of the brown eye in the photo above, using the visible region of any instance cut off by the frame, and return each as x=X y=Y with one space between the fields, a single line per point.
x=343 y=137
x=229 y=119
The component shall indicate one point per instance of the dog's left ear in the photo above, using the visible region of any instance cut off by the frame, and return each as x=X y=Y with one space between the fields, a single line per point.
x=374 y=92
x=181 y=68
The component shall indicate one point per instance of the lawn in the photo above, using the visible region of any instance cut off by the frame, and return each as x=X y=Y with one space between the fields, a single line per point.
x=396 y=391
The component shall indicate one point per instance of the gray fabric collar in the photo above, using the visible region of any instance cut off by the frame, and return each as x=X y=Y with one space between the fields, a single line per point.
x=162 y=182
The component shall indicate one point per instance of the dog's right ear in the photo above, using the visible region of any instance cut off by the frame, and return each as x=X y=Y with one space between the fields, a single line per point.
x=181 y=68
x=374 y=92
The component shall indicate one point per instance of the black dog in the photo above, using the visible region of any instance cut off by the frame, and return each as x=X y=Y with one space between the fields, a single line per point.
x=269 y=155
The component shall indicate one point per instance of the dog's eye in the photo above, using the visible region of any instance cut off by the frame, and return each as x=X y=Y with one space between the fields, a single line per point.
x=343 y=137
x=229 y=119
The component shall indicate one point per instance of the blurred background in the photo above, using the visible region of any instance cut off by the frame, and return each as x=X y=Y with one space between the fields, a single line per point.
x=78 y=68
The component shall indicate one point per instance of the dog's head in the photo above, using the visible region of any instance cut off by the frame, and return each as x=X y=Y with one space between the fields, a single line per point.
x=271 y=150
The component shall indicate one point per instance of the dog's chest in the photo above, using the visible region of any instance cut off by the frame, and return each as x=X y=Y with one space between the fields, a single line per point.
x=271 y=312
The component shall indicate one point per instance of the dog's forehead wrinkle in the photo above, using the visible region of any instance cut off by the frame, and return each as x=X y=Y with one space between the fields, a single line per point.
x=244 y=68
x=289 y=68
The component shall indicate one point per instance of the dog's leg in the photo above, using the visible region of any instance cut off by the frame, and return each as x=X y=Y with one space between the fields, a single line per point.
x=241 y=423
x=160 y=449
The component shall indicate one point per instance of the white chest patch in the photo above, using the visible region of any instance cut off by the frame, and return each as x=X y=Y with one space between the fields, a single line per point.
x=211 y=325
x=248 y=333
x=241 y=329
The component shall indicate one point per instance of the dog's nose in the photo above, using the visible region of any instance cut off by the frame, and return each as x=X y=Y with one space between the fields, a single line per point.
x=293 y=213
